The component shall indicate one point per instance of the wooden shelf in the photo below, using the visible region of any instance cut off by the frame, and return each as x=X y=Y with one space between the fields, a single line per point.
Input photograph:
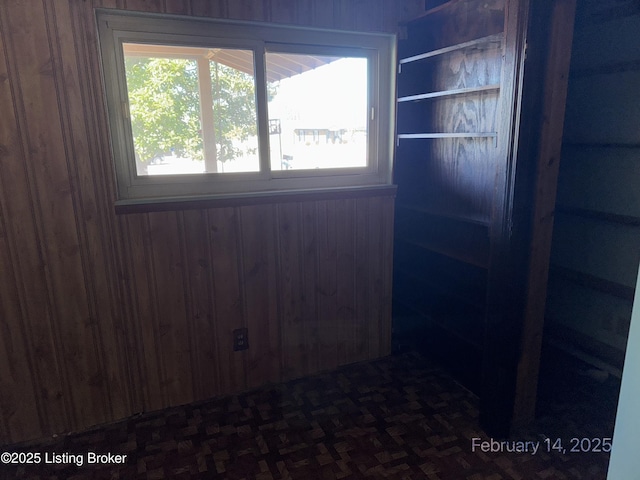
x=408 y=136
x=592 y=282
x=491 y=39
x=441 y=214
x=613 y=218
x=464 y=326
x=472 y=254
x=459 y=295
x=451 y=280
x=465 y=242
x=448 y=93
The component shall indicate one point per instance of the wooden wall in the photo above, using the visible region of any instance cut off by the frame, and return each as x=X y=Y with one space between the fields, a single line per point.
x=596 y=244
x=104 y=315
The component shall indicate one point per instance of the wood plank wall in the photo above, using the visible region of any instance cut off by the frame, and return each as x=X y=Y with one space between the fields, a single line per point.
x=104 y=315
x=596 y=243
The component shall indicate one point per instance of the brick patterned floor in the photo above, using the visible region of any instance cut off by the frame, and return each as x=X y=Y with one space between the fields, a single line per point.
x=398 y=418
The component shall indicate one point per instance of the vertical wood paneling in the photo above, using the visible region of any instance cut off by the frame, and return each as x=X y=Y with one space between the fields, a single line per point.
x=345 y=280
x=246 y=9
x=153 y=6
x=173 y=330
x=96 y=256
x=16 y=416
x=60 y=34
x=144 y=311
x=362 y=272
x=323 y=14
x=308 y=279
x=368 y=14
x=386 y=258
x=304 y=12
x=102 y=229
x=344 y=14
x=198 y=287
x=291 y=291
x=133 y=354
x=104 y=316
x=225 y=258
x=78 y=337
x=22 y=205
x=260 y=294
x=209 y=8
x=376 y=284
x=178 y=7
x=327 y=284
x=381 y=211
x=282 y=11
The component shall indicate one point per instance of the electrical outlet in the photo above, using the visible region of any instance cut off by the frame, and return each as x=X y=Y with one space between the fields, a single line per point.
x=240 y=339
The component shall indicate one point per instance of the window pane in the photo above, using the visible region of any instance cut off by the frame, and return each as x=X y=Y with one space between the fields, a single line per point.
x=192 y=109
x=317 y=111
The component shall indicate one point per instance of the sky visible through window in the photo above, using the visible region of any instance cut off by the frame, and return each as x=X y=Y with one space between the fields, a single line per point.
x=323 y=115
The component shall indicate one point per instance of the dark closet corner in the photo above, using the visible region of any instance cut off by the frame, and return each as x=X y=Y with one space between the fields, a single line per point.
x=476 y=187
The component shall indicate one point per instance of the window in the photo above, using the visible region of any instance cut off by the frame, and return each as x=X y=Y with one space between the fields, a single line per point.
x=201 y=107
x=319 y=118
x=192 y=110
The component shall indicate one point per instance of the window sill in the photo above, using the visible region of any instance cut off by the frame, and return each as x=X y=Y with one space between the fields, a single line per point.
x=234 y=200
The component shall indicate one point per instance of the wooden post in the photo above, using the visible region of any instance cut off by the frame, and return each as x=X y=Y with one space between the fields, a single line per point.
x=544 y=199
x=206 y=116
x=523 y=218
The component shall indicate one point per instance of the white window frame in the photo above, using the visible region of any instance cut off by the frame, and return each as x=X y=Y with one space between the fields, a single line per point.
x=116 y=27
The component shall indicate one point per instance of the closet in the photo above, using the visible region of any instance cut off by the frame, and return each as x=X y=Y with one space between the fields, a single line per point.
x=477 y=81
